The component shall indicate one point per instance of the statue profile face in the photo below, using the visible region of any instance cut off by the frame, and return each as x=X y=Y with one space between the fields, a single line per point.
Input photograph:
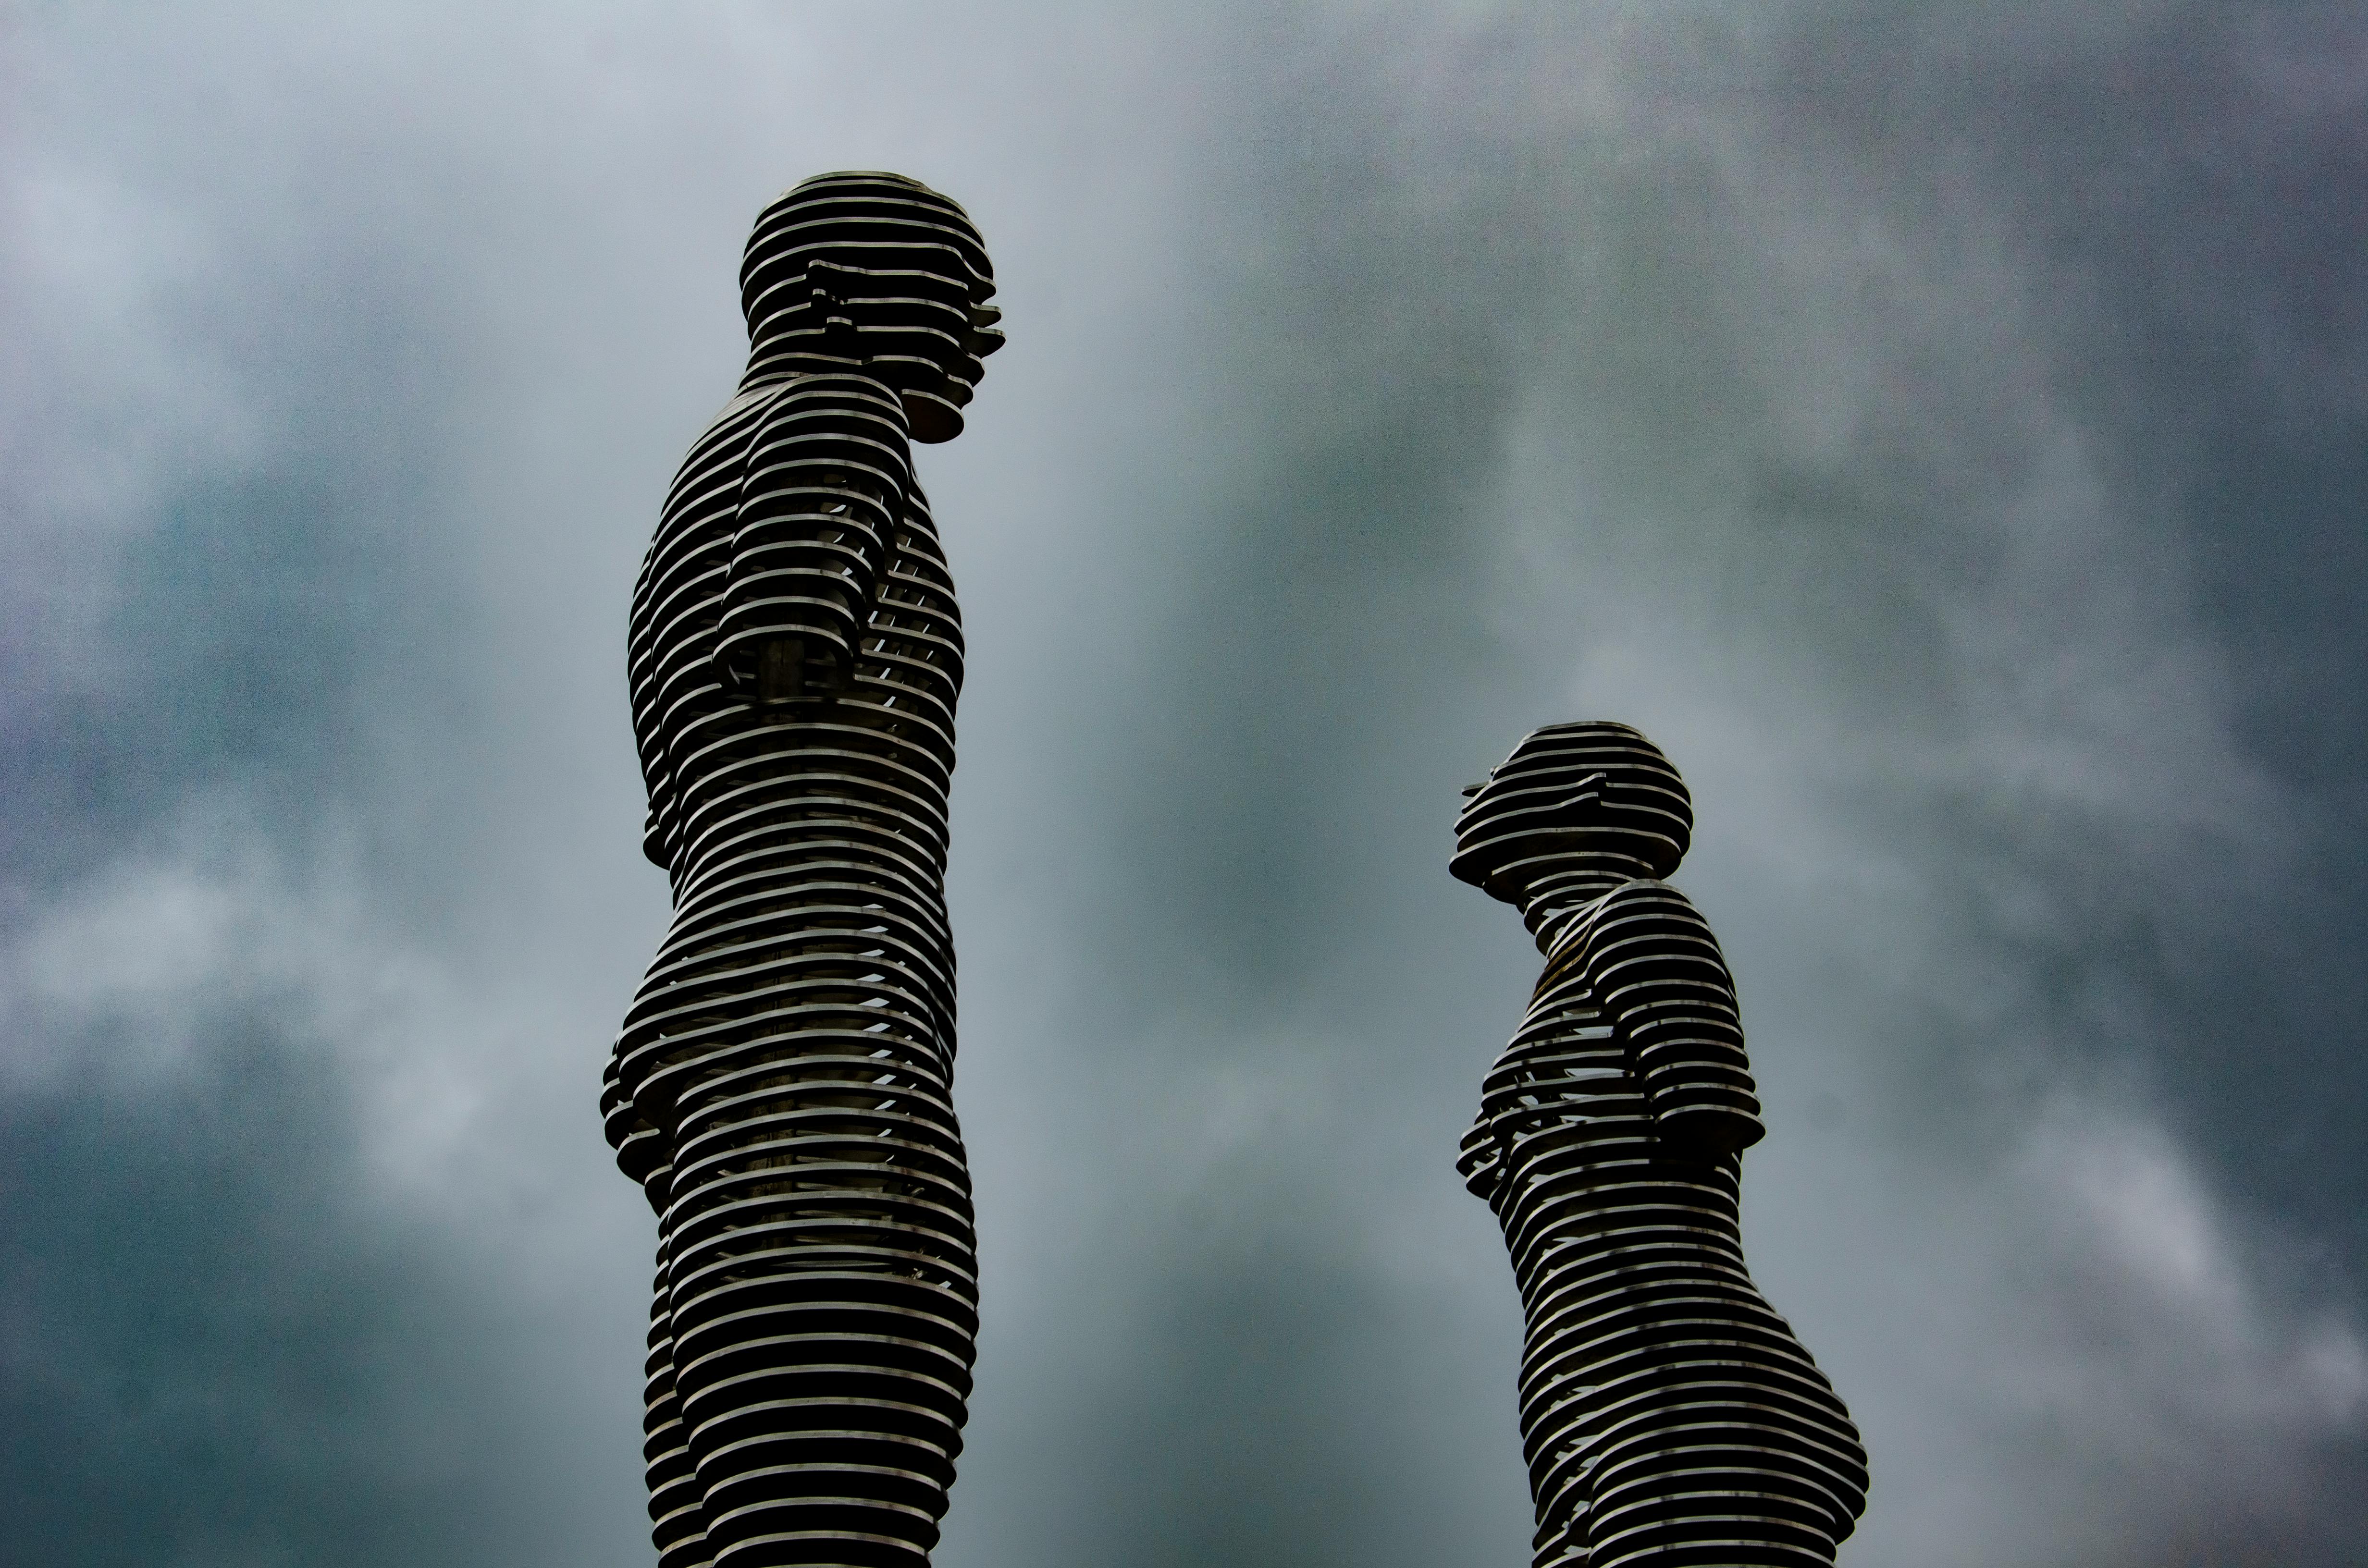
x=1568 y=794
x=879 y=274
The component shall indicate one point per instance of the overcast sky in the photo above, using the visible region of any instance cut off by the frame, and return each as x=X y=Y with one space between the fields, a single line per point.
x=1941 y=428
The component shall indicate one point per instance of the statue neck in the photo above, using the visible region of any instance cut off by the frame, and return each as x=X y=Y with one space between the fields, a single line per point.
x=1558 y=898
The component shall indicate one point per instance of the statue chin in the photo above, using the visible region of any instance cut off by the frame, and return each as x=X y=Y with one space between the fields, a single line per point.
x=930 y=418
x=1710 y=1134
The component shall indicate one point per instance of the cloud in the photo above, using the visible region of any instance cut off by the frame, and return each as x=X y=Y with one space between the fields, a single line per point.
x=222 y=1348
x=1937 y=430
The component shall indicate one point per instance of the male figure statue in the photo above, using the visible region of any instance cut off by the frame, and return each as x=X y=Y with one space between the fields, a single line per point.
x=781 y=1085
x=1667 y=1415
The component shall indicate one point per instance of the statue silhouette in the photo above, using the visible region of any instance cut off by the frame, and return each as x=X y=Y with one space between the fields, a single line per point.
x=781 y=1085
x=1668 y=1416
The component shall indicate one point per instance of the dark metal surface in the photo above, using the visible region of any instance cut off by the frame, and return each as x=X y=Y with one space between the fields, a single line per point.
x=782 y=1088
x=1667 y=1414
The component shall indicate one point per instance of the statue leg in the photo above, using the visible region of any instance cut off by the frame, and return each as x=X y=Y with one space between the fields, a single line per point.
x=1716 y=1440
x=1698 y=1479
x=1553 y=1425
x=822 y=1314
x=677 y=1523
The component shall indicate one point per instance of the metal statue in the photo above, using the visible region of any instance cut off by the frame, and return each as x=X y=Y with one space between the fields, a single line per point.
x=781 y=1085
x=1668 y=1416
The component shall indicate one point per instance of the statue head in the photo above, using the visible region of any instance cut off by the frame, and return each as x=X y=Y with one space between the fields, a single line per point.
x=1574 y=807
x=877 y=274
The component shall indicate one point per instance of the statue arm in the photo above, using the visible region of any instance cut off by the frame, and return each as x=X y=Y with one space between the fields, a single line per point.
x=641 y=681
x=1657 y=973
x=821 y=489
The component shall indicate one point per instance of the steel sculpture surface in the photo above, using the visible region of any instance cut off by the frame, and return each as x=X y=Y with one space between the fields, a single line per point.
x=781 y=1087
x=1668 y=1416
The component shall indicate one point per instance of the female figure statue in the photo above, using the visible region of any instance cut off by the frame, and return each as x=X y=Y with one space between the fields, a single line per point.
x=1668 y=1416
x=782 y=1086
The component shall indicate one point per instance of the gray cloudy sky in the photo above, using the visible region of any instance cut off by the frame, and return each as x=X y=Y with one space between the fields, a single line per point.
x=1940 y=427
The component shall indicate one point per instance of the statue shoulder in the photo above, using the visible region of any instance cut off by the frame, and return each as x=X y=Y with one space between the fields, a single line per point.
x=1642 y=920
x=748 y=399
x=1644 y=899
x=1645 y=890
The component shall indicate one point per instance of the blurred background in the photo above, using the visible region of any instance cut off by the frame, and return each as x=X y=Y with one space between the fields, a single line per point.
x=1939 y=427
